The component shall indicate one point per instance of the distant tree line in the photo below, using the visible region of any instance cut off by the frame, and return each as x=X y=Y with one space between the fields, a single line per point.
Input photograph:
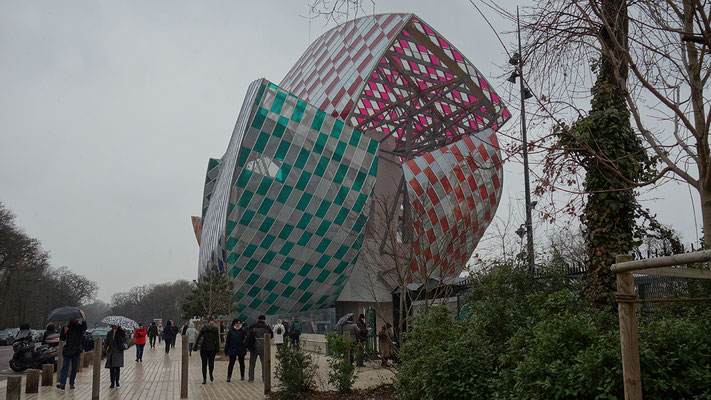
x=149 y=302
x=29 y=286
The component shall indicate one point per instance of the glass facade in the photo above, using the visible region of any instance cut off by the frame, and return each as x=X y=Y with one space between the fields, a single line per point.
x=301 y=184
x=284 y=210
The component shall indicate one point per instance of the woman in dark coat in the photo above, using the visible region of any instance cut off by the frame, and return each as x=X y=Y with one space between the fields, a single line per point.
x=234 y=347
x=209 y=343
x=169 y=336
x=116 y=343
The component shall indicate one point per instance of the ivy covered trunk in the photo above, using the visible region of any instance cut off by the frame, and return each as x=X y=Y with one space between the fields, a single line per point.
x=613 y=158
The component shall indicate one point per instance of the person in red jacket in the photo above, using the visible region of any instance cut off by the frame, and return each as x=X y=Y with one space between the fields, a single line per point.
x=140 y=336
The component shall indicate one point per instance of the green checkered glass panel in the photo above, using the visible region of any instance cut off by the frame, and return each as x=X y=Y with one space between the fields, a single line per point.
x=302 y=187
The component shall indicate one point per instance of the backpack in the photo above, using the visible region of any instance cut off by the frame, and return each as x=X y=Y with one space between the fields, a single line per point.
x=279 y=330
x=297 y=326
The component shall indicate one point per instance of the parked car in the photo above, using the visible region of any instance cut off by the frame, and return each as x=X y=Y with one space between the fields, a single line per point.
x=7 y=336
x=87 y=341
x=37 y=335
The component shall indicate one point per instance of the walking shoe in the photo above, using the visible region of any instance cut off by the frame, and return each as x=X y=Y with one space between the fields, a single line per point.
x=228 y=379
x=117 y=384
x=60 y=386
x=211 y=378
x=112 y=386
x=242 y=377
x=204 y=381
x=71 y=386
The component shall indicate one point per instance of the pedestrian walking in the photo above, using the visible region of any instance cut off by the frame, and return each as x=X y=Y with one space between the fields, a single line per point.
x=192 y=338
x=168 y=336
x=116 y=344
x=152 y=334
x=352 y=329
x=208 y=342
x=257 y=331
x=362 y=339
x=279 y=333
x=71 y=335
x=184 y=329
x=387 y=350
x=140 y=336
x=176 y=330
x=222 y=332
x=295 y=334
x=160 y=331
x=286 y=332
x=235 y=348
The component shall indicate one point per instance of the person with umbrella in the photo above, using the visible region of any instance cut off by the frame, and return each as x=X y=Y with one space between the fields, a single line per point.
x=71 y=335
x=116 y=343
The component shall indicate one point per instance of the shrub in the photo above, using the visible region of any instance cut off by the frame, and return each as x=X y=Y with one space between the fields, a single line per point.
x=675 y=357
x=561 y=354
x=342 y=373
x=296 y=372
x=440 y=359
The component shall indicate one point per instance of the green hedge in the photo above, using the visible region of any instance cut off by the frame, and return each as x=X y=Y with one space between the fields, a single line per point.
x=540 y=342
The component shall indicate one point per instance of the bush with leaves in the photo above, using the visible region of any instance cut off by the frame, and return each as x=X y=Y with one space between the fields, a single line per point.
x=561 y=354
x=542 y=342
x=442 y=359
x=342 y=374
x=295 y=371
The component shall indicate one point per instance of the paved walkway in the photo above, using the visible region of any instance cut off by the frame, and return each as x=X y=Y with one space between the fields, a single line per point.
x=158 y=378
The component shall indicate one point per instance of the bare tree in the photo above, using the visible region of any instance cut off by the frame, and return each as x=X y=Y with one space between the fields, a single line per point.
x=661 y=61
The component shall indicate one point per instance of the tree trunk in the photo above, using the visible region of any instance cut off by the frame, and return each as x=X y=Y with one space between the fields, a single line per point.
x=705 y=193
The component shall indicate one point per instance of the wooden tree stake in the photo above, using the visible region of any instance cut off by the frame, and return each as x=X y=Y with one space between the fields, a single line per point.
x=628 y=333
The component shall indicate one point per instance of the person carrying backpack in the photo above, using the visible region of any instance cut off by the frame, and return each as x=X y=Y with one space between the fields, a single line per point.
x=279 y=332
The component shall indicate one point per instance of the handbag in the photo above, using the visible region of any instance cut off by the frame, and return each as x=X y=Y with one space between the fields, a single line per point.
x=201 y=341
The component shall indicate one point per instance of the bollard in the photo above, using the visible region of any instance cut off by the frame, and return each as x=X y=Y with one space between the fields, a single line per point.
x=96 y=375
x=32 y=381
x=267 y=363
x=47 y=374
x=184 y=369
x=60 y=358
x=14 y=387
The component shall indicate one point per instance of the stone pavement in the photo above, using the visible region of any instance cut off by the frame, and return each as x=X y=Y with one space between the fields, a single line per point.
x=158 y=378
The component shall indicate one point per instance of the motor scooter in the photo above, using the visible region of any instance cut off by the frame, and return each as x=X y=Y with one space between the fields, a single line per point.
x=27 y=356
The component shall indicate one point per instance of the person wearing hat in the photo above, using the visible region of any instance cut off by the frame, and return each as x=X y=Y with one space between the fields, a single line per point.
x=258 y=330
x=140 y=336
x=116 y=343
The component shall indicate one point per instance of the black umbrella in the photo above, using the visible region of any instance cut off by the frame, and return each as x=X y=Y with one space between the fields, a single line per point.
x=64 y=314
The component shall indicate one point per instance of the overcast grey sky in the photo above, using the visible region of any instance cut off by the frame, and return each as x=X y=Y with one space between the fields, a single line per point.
x=109 y=111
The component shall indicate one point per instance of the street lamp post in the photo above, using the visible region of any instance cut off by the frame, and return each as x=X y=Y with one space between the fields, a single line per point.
x=517 y=61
